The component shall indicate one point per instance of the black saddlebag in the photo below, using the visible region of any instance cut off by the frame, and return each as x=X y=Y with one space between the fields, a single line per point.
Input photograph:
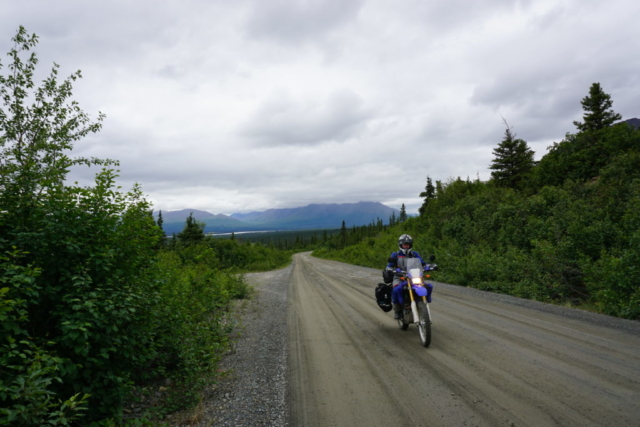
x=387 y=276
x=383 y=297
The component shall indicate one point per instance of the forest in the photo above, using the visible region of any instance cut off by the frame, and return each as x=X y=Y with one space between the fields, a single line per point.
x=565 y=229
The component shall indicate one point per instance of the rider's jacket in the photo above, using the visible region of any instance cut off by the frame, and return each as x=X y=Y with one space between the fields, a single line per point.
x=398 y=259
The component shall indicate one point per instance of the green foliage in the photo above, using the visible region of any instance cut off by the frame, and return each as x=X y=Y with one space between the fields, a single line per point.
x=27 y=372
x=428 y=194
x=512 y=163
x=246 y=256
x=581 y=157
x=574 y=242
x=597 y=108
x=189 y=333
x=80 y=293
x=403 y=214
x=193 y=231
x=613 y=278
x=197 y=284
x=88 y=307
x=284 y=241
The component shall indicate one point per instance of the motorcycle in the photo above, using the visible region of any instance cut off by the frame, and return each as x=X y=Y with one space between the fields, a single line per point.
x=416 y=297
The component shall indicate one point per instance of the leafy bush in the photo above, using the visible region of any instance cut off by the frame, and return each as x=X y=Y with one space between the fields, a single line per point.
x=27 y=371
x=88 y=308
x=80 y=324
x=189 y=330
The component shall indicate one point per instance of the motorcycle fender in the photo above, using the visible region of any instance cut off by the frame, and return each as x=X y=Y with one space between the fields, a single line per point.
x=420 y=291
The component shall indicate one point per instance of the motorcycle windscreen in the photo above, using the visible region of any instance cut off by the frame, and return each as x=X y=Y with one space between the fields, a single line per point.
x=413 y=263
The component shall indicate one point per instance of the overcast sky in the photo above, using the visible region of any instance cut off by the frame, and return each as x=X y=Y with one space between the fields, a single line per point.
x=245 y=105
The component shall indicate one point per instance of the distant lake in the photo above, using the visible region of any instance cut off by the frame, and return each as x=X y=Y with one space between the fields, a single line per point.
x=214 y=234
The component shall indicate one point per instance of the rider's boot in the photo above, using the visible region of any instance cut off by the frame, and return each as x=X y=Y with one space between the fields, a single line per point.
x=397 y=311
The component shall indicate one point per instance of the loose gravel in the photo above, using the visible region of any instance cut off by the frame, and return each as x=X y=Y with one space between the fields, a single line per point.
x=253 y=385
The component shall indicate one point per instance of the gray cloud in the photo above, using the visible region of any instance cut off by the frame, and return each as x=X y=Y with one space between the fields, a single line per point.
x=281 y=120
x=256 y=104
x=295 y=21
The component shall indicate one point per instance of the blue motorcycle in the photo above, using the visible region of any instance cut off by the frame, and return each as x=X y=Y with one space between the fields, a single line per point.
x=417 y=298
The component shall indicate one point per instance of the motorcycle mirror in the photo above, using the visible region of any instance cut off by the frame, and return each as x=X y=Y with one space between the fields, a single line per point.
x=432 y=258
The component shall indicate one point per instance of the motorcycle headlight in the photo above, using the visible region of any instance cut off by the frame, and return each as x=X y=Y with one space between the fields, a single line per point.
x=416 y=280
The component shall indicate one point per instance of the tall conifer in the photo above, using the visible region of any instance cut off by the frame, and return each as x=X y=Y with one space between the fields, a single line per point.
x=513 y=161
x=429 y=193
x=403 y=214
x=597 y=110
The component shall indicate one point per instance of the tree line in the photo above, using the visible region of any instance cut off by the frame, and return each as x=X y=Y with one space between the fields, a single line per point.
x=565 y=229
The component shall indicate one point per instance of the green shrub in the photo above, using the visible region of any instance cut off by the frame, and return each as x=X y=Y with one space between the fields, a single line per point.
x=190 y=335
x=82 y=320
x=27 y=372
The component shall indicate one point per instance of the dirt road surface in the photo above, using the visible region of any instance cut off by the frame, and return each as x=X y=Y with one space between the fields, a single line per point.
x=494 y=360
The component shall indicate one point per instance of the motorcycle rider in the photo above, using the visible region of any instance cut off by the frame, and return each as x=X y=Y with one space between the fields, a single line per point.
x=397 y=263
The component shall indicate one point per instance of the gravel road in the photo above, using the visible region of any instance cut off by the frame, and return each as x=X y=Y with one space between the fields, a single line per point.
x=315 y=350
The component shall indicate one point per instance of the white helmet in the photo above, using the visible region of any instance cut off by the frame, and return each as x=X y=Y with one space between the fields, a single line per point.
x=405 y=243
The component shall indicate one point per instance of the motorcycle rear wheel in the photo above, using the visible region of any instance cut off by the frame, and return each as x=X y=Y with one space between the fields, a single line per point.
x=424 y=324
x=402 y=324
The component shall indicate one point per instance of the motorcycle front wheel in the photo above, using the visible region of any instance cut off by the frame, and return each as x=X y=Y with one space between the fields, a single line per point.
x=424 y=324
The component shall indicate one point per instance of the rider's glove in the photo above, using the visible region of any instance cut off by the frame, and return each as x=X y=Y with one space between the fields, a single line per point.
x=398 y=270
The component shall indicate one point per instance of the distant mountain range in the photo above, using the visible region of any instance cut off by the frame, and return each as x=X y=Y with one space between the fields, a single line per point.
x=633 y=122
x=303 y=218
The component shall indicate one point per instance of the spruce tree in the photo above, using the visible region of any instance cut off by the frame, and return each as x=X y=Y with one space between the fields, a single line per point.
x=193 y=231
x=597 y=110
x=403 y=214
x=513 y=161
x=429 y=194
x=160 y=222
x=343 y=234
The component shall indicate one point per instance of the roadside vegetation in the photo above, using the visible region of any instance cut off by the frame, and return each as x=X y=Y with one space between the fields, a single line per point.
x=564 y=230
x=98 y=309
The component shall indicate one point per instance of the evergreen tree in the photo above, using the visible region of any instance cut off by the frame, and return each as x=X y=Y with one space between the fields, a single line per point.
x=193 y=231
x=597 y=110
x=160 y=222
x=343 y=234
x=403 y=214
x=429 y=194
x=513 y=161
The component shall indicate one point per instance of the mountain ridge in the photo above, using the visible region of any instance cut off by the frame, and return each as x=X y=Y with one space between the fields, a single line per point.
x=316 y=215
x=633 y=122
